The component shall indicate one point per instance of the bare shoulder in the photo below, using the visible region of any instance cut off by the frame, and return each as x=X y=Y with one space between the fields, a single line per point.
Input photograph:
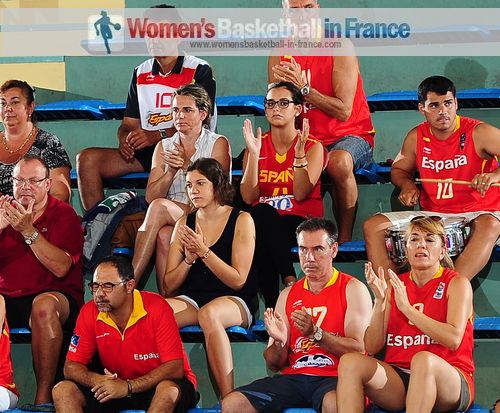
x=460 y=285
x=245 y=219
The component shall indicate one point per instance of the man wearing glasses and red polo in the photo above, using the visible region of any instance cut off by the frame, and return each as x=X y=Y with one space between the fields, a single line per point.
x=41 y=272
x=134 y=333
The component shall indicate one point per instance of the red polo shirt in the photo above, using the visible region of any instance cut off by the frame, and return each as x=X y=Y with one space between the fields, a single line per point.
x=21 y=274
x=150 y=338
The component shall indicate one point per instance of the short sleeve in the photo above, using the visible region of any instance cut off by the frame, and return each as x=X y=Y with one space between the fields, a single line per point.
x=204 y=77
x=83 y=346
x=49 y=148
x=168 y=338
x=132 y=107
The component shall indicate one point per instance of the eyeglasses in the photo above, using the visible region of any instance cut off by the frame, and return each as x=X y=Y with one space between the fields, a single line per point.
x=282 y=103
x=29 y=181
x=106 y=287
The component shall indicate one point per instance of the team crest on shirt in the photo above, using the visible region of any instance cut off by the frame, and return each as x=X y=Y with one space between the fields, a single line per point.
x=439 y=291
x=304 y=344
x=316 y=360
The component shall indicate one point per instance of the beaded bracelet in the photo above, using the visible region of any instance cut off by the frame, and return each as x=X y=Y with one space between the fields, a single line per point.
x=300 y=157
x=300 y=166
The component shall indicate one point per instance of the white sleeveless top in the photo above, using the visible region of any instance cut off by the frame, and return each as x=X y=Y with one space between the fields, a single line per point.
x=203 y=149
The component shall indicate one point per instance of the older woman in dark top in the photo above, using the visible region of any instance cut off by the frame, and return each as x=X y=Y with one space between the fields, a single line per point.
x=21 y=136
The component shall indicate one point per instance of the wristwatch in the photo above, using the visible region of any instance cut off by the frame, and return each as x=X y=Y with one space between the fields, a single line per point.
x=318 y=334
x=31 y=239
x=305 y=90
x=163 y=134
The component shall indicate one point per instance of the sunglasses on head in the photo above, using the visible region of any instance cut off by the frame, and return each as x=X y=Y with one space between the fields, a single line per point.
x=435 y=218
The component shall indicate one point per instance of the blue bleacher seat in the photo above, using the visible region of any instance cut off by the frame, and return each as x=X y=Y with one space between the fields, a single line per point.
x=407 y=99
x=112 y=110
x=240 y=105
x=475 y=408
x=70 y=110
x=194 y=334
x=373 y=173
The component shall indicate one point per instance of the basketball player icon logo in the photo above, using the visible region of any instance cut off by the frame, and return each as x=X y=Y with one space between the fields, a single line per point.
x=105 y=25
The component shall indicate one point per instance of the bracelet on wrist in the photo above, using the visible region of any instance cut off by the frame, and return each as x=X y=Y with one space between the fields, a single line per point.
x=304 y=165
x=300 y=157
x=206 y=255
x=189 y=263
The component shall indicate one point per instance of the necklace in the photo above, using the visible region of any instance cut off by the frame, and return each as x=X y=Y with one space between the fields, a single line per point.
x=22 y=144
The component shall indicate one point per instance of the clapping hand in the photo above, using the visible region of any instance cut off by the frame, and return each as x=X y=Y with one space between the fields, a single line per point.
x=376 y=281
x=303 y=322
x=18 y=217
x=300 y=146
x=399 y=293
x=275 y=326
x=4 y=199
x=175 y=158
x=253 y=143
x=290 y=71
x=192 y=241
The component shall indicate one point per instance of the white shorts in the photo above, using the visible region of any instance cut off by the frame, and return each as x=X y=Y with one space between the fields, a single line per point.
x=8 y=399
x=404 y=217
x=239 y=299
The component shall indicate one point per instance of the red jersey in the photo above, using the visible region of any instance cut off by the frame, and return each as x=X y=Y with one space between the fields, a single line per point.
x=404 y=339
x=328 y=310
x=318 y=71
x=22 y=274
x=150 y=339
x=6 y=372
x=276 y=181
x=454 y=158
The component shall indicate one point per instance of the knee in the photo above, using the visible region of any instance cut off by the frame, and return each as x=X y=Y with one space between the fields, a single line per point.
x=233 y=403
x=329 y=403
x=43 y=310
x=169 y=393
x=340 y=165
x=164 y=236
x=350 y=365
x=486 y=225
x=376 y=224
x=64 y=389
x=208 y=318
x=88 y=159
x=422 y=362
x=155 y=214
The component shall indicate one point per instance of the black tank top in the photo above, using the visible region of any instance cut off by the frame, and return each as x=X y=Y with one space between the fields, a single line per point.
x=202 y=285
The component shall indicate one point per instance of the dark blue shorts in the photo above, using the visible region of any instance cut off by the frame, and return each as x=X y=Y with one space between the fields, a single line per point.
x=273 y=394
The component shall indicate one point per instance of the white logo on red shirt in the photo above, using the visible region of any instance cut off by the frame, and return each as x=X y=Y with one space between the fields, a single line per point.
x=440 y=164
x=409 y=341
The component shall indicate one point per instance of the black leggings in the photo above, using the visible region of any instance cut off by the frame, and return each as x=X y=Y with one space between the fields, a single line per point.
x=275 y=236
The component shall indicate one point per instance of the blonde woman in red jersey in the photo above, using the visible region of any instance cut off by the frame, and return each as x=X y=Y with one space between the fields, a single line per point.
x=424 y=318
x=281 y=181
